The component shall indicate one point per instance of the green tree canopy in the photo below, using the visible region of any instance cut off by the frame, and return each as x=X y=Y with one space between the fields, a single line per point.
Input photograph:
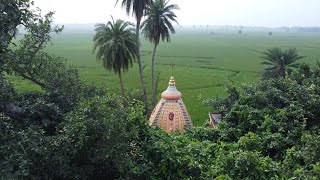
x=279 y=62
x=158 y=23
x=116 y=46
x=12 y=14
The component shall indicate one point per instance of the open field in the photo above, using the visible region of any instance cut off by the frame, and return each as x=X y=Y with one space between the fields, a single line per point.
x=205 y=63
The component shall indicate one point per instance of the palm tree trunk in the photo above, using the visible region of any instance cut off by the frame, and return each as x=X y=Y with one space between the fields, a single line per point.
x=152 y=76
x=121 y=84
x=140 y=66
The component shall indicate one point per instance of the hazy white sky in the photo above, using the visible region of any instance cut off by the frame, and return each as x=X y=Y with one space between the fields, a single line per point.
x=271 y=13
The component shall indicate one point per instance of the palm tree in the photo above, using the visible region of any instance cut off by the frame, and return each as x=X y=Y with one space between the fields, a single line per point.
x=279 y=62
x=156 y=27
x=116 y=47
x=138 y=8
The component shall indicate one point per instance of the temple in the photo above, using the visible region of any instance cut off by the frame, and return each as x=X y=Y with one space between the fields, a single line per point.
x=171 y=114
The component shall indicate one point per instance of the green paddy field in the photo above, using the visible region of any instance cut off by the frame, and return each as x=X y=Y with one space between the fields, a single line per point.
x=205 y=63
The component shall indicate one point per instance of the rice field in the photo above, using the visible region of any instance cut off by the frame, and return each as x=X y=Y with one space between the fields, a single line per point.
x=204 y=62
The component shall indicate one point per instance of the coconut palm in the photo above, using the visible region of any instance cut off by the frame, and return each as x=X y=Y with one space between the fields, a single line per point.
x=279 y=62
x=138 y=8
x=158 y=26
x=116 y=46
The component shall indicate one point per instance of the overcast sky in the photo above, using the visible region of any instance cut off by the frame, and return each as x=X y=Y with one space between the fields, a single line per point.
x=270 y=13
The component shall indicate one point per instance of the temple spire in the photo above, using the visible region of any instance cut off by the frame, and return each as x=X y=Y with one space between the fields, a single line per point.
x=170 y=113
x=172 y=66
x=172 y=81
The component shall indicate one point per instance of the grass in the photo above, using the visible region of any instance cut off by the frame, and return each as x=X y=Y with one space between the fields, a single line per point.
x=204 y=64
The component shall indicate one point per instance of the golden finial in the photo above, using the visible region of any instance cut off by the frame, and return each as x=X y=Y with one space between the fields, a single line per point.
x=172 y=81
x=172 y=66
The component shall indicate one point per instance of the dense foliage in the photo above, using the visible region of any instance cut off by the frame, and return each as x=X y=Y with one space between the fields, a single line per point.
x=269 y=131
x=273 y=118
x=70 y=130
x=12 y=14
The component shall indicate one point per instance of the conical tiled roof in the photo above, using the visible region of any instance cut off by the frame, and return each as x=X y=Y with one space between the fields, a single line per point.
x=170 y=113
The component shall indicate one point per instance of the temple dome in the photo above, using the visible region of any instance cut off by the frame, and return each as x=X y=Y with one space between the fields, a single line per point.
x=170 y=113
x=171 y=93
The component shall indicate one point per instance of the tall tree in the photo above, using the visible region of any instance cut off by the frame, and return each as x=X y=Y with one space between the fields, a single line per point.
x=158 y=26
x=279 y=62
x=116 y=46
x=138 y=8
x=12 y=14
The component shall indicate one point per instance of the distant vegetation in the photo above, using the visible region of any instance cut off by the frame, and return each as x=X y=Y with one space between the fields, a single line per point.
x=305 y=29
x=71 y=129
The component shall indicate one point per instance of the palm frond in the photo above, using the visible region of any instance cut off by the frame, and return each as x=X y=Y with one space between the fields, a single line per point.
x=115 y=45
x=136 y=8
x=158 y=24
x=279 y=62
